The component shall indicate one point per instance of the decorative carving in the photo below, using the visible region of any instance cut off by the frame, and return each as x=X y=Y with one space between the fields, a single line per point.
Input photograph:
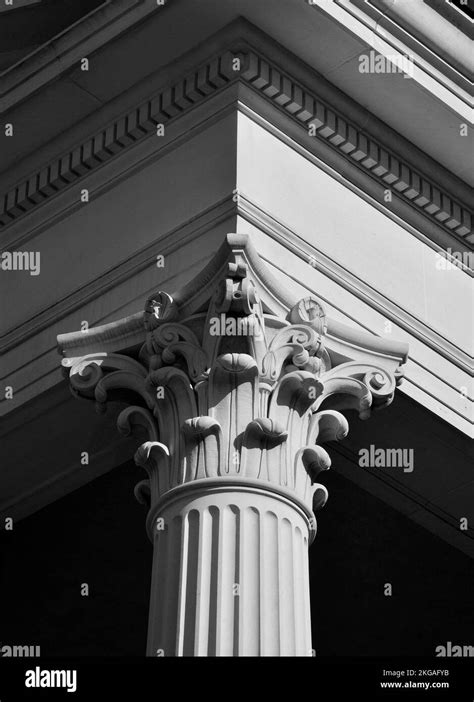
x=154 y=457
x=236 y=406
x=159 y=308
x=300 y=342
x=309 y=311
x=133 y=418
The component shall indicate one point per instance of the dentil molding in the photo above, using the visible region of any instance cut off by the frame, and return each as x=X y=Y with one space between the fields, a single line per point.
x=315 y=115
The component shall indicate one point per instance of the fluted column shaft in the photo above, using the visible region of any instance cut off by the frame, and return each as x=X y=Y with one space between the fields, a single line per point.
x=230 y=573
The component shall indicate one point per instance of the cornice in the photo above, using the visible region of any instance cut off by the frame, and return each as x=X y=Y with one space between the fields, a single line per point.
x=457 y=17
x=430 y=27
x=357 y=146
x=290 y=96
x=117 y=137
x=434 y=43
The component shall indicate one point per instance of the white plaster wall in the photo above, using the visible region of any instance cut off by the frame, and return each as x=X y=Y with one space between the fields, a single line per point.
x=326 y=217
x=339 y=223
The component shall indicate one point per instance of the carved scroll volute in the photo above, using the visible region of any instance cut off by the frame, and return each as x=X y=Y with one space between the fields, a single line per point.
x=84 y=374
x=308 y=463
x=94 y=375
x=136 y=420
x=327 y=425
x=172 y=341
x=358 y=386
x=154 y=457
x=297 y=344
x=236 y=293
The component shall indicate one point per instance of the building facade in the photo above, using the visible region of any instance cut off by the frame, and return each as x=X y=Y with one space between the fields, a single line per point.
x=246 y=229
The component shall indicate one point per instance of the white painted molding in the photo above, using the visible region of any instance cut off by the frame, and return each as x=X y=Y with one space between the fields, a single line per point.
x=433 y=67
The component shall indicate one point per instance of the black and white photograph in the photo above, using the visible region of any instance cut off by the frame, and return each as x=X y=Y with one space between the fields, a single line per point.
x=237 y=348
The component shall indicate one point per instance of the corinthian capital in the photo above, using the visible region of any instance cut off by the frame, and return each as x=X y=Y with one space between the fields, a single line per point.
x=234 y=381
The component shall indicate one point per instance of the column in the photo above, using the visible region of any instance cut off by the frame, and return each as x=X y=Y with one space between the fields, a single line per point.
x=230 y=574
x=236 y=388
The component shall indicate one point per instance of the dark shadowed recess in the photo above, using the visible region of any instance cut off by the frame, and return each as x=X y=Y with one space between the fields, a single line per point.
x=96 y=535
x=24 y=29
x=363 y=544
x=465 y=6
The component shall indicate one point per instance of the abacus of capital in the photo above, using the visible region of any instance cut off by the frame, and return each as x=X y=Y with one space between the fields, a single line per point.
x=234 y=426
